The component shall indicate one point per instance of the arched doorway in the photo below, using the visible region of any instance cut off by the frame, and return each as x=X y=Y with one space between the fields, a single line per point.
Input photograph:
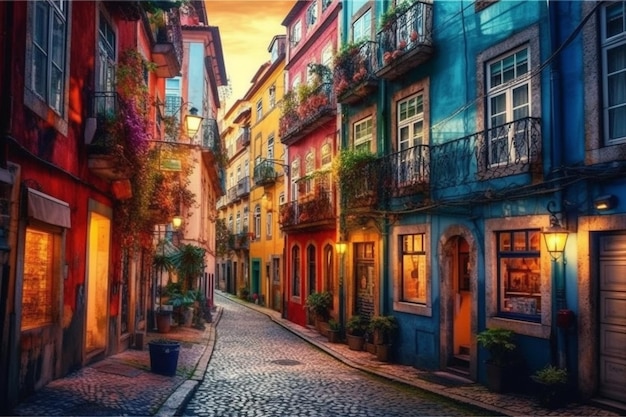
x=459 y=301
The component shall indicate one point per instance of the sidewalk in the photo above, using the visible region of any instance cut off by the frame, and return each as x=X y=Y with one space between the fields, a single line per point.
x=123 y=384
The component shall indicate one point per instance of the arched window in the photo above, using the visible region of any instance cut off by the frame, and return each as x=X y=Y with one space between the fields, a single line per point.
x=295 y=271
x=311 y=268
x=257 y=221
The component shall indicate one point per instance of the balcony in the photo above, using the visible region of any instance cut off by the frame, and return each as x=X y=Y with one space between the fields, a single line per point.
x=167 y=51
x=104 y=148
x=406 y=172
x=232 y=195
x=354 y=77
x=505 y=150
x=243 y=187
x=405 y=41
x=313 y=213
x=301 y=117
x=239 y=241
x=265 y=173
x=243 y=139
x=478 y=161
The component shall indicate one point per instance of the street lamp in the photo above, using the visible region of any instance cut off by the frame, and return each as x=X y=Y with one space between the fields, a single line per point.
x=177 y=221
x=192 y=122
x=556 y=238
x=341 y=247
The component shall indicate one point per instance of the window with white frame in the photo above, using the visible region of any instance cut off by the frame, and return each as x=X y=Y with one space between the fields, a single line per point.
x=614 y=72
x=295 y=271
x=257 y=221
x=272 y=96
x=411 y=157
x=413 y=268
x=48 y=61
x=238 y=223
x=327 y=56
x=270 y=146
x=326 y=154
x=508 y=101
x=259 y=109
x=269 y=223
x=363 y=134
x=311 y=14
x=519 y=274
x=362 y=27
x=245 y=218
x=230 y=224
x=296 y=33
x=295 y=177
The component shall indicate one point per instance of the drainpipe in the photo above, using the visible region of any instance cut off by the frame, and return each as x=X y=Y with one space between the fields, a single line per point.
x=557 y=143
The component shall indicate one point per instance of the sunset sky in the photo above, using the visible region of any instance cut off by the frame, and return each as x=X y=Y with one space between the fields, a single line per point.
x=246 y=28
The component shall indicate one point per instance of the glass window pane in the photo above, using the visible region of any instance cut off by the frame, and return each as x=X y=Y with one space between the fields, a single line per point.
x=39 y=72
x=40 y=25
x=614 y=19
x=505 y=241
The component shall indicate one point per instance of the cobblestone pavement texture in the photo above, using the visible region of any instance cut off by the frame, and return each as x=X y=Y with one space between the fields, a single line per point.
x=283 y=380
x=261 y=369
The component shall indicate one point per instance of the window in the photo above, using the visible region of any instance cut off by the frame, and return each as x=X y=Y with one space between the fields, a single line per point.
x=173 y=97
x=363 y=134
x=327 y=157
x=362 y=27
x=41 y=267
x=296 y=83
x=270 y=147
x=295 y=176
x=245 y=219
x=107 y=56
x=411 y=157
x=295 y=271
x=329 y=270
x=257 y=221
x=311 y=14
x=269 y=223
x=325 y=4
x=614 y=72
x=311 y=268
x=413 y=268
x=309 y=167
x=230 y=224
x=327 y=56
x=48 y=60
x=259 y=109
x=508 y=100
x=296 y=33
x=519 y=274
x=272 y=96
x=238 y=223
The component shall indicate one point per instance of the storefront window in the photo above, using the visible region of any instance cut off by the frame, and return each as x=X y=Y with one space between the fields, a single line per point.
x=519 y=274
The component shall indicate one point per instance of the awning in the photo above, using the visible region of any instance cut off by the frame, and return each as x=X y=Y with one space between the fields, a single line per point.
x=48 y=209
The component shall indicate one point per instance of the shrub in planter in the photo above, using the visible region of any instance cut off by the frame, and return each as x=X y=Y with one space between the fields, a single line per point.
x=334 y=331
x=318 y=304
x=551 y=386
x=382 y=328
x=503 y=361
x=356 y=328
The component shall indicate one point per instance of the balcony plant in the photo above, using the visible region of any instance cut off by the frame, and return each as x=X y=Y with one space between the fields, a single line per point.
x=349 y=67
x=353 y=174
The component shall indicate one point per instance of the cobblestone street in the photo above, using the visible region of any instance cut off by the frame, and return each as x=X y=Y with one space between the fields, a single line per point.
x=259 y=368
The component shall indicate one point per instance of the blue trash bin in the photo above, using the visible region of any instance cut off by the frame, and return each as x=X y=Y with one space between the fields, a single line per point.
x=164 y=356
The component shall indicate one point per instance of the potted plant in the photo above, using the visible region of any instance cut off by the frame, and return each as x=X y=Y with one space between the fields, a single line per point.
x=334 y=331
x=502 y=362
x=551 y=386
x=318 y=304
x=184 y=302
x=356 y=328
x=383 y=329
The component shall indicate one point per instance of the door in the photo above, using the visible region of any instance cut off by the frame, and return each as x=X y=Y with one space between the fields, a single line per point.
x=97 y=283
x=612 y=317
x=276 y=294
x=256 y=277
x=462 y=305
x=364 y=278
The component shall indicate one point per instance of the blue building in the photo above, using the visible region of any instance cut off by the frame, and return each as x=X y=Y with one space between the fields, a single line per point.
x=486 y=123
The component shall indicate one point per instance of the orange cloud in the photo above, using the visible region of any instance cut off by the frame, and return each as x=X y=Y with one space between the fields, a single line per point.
x=246 y=29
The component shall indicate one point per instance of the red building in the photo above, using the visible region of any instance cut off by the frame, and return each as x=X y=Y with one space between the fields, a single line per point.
x=308 y=128
x=81 y=84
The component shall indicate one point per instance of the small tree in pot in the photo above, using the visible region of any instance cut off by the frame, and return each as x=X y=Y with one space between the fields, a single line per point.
x=503 y=361
x=551 y=386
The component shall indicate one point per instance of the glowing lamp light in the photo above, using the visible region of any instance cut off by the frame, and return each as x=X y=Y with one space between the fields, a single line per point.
x=341 y=247
x=192 y=122
x=555 y=237
x=177 y=221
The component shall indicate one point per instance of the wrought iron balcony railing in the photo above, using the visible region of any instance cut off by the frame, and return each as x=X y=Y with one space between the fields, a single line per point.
x=243 y=187
x=354 y=72
x=104 y=112
x=311 y=213
x=211 y=136
x=243 y=139
x=232 y=194
x=313 y=111
x=405 y=41
x=265 y=173
x=505 y=150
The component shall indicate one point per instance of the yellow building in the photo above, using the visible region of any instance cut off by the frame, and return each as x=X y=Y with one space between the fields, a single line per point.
x=268 y=178
x=233 y=208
